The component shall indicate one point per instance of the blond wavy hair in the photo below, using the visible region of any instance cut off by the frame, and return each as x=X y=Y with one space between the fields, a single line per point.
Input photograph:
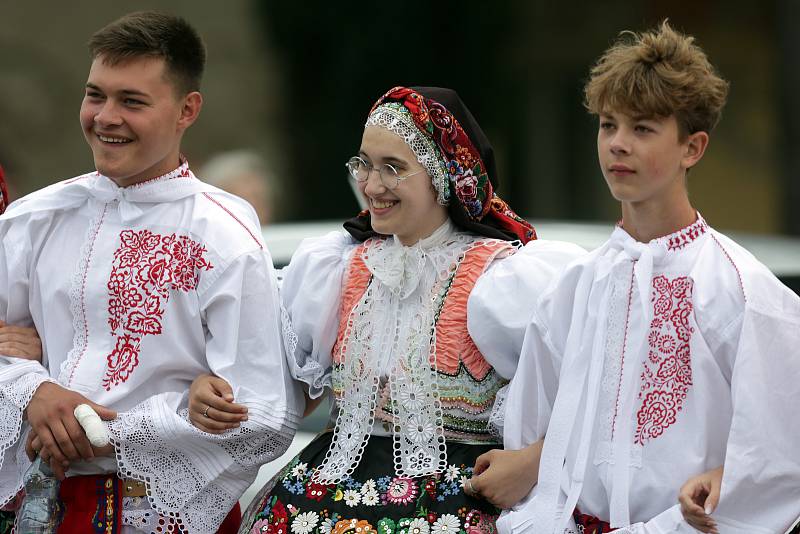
x=657 y=74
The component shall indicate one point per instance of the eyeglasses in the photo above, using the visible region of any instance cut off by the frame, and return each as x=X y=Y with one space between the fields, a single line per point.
x=390 y=178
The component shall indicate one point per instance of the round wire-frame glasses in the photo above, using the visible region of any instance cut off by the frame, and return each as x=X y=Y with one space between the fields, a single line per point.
x=390 y=178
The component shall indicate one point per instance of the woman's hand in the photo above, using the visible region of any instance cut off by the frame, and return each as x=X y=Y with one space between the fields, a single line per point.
x=211 y=406
x=506 y=477
x=699 y=498
x=20 y=342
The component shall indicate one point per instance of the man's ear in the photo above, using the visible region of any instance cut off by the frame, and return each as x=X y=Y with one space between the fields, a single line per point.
x=192 y=103
x=694 y=148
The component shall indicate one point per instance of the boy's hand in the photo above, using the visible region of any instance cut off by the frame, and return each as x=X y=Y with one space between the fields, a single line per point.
x=699 y=498
x=505 y=477
x=50 y=414
x=20 y=342
x=211 y=406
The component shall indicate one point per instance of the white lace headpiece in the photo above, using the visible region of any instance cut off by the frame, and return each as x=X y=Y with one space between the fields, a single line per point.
x=398 y=120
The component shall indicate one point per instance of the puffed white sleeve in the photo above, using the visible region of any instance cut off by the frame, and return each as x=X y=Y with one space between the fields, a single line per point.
x=193 y=477
x=500 y=305
x=761 y=480
x=532 y=391
x=19 y=379
x=310 y=300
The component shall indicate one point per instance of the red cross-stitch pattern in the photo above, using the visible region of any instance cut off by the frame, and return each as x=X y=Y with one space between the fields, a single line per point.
x=146 y=268
x=667 y=373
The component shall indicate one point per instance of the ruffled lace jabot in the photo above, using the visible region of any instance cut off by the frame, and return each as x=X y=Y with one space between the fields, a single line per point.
x=401 y=267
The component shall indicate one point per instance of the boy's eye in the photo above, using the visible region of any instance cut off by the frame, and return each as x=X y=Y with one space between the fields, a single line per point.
x=605 y=125
x=93 y=94
x=642 y=128
x=133 y=102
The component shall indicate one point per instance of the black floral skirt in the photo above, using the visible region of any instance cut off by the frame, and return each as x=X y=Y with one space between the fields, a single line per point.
x=373 y=499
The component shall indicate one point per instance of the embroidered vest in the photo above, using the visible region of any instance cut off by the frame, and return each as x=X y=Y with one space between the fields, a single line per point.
x=467 y=383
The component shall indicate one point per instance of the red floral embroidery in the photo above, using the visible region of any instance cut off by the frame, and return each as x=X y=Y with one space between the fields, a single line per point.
x=687 y=235
x=279 y=519
x=317 y=491
x=667 y=373
x=147 y=267
x=588 y=524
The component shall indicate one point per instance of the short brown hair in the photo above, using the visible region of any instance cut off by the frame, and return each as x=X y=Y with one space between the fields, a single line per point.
x=657 y=74
x=158 y=35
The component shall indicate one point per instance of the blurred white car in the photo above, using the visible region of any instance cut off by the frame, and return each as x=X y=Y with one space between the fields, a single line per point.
x=780 y=253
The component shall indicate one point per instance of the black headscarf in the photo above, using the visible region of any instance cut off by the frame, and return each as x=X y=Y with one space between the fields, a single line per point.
x=468 y=156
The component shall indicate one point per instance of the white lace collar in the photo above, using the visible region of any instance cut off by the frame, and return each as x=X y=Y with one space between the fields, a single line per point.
x=400 y=267
x=175 y=185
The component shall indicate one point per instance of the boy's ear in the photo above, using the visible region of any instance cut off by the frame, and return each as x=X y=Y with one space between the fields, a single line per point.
x=694 y=148
x=192 y=103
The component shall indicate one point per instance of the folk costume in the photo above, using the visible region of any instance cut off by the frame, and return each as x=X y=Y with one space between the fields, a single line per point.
x=135 y=292
x=384 y=326
x=6 y=516
x=648 y=364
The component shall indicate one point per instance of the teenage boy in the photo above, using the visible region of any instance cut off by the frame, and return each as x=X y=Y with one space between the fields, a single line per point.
x=139 y=277
x=668 y=351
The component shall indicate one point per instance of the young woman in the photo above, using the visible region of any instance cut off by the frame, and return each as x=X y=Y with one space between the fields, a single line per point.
x=378 y=316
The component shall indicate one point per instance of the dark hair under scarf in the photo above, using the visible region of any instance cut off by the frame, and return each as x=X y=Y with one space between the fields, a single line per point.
x=468 y=158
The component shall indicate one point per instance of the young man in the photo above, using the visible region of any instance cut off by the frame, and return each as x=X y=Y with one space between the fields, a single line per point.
x=139 y=277
x=668 y=351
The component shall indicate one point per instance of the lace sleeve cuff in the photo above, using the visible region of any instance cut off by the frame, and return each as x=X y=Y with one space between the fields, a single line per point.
x=302 y=366
x=14 y=398
x=498 y=416
x=195 y=478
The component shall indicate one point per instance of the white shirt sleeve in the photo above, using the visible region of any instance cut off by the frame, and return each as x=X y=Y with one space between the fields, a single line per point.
x=500 y=305
x=761 y=481
x=19 y=379
x=310 y=299
x=195 y=476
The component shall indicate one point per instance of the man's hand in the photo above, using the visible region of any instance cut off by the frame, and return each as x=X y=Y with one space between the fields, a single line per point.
x=50 y=414
x=505 y=477
x=20 y=342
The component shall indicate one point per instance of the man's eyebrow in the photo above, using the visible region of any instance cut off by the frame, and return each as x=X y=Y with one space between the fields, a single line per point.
x=127 y=92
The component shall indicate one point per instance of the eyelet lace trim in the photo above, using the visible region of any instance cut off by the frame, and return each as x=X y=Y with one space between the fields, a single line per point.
x=395 y=118
x=77 y=304
x=14 y=398
x=497 y=418
x=181 y=492
x=616 y=325
x=391 y=331
x=309 y=370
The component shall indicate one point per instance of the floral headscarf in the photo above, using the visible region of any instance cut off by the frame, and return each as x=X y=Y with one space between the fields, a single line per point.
x=3 y=192
x=434 y=120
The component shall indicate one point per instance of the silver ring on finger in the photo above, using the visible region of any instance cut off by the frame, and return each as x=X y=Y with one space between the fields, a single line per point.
x=205 y=412
x=469 y=487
